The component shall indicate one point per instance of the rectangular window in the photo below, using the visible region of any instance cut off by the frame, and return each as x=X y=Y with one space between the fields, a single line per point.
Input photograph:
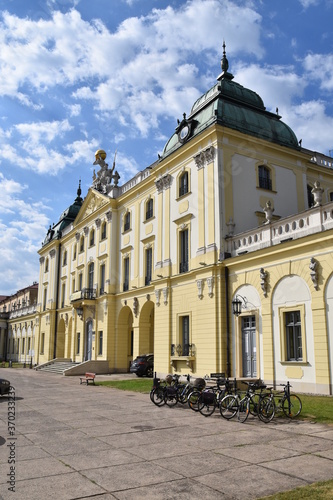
x=126 y=274
x=63 y=294
x=149 y=256
x=42 y=340
x=80 y=281
x=293 y=334
x=78 y=343
x=44 y=299
x=102 y=280
x=265 y=181
x=183 y=267
x=23 y=345
x=127 y=221
x=185 y=335
x=100 y=343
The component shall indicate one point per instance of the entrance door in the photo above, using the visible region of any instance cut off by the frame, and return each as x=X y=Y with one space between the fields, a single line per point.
x=249 y=346
x=89 y=341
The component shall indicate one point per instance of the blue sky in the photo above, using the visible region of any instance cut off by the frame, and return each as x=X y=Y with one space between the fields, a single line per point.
x=79 y=75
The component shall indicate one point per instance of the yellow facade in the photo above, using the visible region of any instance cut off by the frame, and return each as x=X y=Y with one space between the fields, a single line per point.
x=154 y=265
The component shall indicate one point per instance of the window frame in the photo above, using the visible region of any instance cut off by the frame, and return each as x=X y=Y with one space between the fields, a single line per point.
x=283 y=314
x=126 y=273
x=184 y=183
x=184 y=250
x=265 y=181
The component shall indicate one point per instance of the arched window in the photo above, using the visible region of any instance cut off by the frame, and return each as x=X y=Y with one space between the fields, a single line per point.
x=127 y=221
x=149 y=209
x=92 y=238
x=183 y=184
x=264 y=174
x=103 y=231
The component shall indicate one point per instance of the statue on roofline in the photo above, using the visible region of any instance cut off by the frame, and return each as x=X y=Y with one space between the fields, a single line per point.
x=102 y=181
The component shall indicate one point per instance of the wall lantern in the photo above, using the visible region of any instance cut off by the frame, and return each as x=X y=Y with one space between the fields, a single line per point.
x=237 y=305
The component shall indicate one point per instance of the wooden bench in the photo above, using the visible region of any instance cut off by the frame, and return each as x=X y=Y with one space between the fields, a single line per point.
x=88 y=377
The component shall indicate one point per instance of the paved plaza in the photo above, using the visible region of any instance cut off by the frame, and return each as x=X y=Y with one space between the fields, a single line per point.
x=71 y=441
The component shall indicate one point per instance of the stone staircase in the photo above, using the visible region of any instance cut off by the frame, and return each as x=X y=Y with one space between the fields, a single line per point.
x=57 y=366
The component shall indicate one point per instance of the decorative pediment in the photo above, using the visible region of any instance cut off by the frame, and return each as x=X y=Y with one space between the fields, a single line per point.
x=92 y=203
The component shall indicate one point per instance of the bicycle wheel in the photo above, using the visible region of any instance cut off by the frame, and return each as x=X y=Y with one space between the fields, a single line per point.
x=157 y=396
x=193 y=400
x=229 y=406
x=254 y=404
x=182 y=395
x=171 y=396
x=294 y=408
x=266 y=409
x=243 y=409
x=207 y=403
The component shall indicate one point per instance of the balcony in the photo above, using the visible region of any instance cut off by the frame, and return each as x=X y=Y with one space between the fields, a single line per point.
x=182 y=353
x=84 y=294
x=314 y=220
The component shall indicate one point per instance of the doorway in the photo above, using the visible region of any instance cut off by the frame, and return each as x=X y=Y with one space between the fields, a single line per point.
x=89 y=341
x=249 y=346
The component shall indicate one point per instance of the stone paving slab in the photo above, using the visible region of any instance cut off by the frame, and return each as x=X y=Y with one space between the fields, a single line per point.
x=64 y=487
x=250 y=482
x=130 y=476
x=310 y=469
x=76 y=442
x=184 y=489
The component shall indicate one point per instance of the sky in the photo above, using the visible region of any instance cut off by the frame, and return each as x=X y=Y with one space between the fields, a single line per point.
x=80 y=75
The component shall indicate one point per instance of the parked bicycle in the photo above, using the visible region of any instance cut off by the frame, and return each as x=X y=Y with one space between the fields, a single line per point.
x=285 y=401
x=243 y=404
x=210 y=398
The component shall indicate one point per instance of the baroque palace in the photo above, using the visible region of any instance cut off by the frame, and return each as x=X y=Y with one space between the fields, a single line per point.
x=216 y=258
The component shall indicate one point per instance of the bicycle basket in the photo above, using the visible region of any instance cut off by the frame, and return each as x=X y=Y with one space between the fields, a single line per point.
x=168 y=379
x=208 y=397
x=199 y=383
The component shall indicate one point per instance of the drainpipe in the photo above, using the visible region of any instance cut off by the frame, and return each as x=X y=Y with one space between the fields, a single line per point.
x=226 y=280
x=57 y=302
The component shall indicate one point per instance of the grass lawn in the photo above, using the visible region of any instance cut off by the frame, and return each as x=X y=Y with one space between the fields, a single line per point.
x=316 y=491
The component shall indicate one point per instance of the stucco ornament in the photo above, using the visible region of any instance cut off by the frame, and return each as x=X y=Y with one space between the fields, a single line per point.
x=263 y=280
x=313 y=266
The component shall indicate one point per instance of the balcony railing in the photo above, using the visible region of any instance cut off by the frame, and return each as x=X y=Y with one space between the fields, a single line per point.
x=182 y=350
x=84 y=294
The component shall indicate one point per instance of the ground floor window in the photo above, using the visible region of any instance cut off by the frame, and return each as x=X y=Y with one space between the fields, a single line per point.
x=100 y=343
x=293 y=334
x=78 y=343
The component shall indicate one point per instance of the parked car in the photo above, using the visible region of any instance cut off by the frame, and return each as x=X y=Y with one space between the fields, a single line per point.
x=143 y=365
x=4 y=386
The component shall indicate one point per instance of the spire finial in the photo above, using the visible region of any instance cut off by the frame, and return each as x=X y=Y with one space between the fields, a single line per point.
x=224 y=60
x=79 y=188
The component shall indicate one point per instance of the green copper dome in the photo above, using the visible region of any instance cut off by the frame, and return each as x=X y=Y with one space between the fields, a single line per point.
x=67 y=217
x=231 y=105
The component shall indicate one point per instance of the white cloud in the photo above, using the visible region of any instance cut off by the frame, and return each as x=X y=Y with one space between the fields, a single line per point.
x=320 y=67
